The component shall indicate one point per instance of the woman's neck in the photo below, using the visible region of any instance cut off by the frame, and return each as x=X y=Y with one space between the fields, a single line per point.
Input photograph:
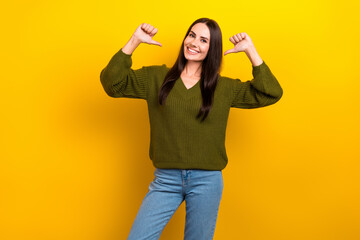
x=193 y=69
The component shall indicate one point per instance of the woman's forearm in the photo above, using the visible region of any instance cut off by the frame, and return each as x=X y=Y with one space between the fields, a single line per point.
x=253 y=56
x=131 y=45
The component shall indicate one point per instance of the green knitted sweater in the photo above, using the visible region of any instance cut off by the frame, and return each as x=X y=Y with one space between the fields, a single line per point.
x=177 y=138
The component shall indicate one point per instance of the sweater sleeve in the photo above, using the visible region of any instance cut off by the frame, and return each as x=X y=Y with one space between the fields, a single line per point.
x=261 y=91
x=120 y=80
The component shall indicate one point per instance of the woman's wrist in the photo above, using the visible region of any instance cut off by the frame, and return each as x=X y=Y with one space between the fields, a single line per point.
x=131 y=45
x=253 y=56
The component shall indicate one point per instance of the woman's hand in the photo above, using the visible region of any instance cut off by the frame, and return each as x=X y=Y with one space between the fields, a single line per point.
x=144 y=34
x=241 y=42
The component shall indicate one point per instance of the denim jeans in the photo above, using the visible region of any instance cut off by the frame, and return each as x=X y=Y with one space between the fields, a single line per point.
x=201 y=190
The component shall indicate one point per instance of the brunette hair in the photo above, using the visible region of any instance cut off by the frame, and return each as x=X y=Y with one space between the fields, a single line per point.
x=209 y=72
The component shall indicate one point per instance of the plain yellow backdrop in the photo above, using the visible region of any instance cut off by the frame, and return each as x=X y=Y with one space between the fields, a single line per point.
x=74 y=162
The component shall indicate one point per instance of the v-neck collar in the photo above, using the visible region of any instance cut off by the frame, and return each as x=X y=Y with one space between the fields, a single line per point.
x=188 y=89
x=187 y=93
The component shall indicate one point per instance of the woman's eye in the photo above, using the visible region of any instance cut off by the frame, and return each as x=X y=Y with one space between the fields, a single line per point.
x=192 y=35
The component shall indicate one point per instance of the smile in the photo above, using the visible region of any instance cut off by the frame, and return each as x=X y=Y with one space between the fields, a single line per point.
x=191 y=51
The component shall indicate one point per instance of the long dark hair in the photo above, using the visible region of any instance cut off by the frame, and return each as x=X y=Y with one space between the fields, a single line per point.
x=210 y=68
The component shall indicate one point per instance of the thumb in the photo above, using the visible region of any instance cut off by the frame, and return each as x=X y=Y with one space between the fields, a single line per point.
x=155 y=43
x=229 y=51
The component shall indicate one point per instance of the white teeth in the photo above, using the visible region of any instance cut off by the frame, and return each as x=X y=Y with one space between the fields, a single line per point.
x=192 y=50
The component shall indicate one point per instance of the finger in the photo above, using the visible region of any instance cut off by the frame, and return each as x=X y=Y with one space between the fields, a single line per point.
x=239 y=36
x=150 y=29
x=143 y=26
x=155 y=43
x=147 y=28
x=229 y=51
x=243 y=35
x=236 y=39
x=232 y=40
x=153 y=32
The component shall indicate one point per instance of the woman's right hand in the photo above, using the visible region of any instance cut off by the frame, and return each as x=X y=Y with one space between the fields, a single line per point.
x=144 y=33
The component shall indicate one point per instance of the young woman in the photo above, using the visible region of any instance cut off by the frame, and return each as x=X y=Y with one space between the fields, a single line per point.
x=188 y=109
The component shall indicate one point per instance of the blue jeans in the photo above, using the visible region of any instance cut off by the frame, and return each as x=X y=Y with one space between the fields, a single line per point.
x=201 y=190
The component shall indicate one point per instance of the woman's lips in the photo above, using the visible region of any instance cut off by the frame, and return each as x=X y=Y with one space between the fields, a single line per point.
x=190 y=52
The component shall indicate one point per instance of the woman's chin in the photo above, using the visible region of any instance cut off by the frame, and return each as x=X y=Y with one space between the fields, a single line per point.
x=192 y=58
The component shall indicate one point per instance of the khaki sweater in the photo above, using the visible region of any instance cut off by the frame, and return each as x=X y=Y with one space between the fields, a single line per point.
x=177 y=138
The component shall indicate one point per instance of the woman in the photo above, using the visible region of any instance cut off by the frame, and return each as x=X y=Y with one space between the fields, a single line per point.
x=188 y=109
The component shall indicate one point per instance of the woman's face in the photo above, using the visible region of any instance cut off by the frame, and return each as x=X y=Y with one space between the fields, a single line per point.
x=197 y=42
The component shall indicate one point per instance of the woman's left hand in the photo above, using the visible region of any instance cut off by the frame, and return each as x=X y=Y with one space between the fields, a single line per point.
x=241 y=42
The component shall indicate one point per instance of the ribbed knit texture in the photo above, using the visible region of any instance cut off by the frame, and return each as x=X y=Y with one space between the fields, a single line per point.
x=177 y=138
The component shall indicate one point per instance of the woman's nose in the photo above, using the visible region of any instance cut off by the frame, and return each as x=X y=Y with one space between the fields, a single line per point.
x=194 y=43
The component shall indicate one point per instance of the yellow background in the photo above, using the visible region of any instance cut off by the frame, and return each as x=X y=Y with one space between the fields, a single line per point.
x=74 y=162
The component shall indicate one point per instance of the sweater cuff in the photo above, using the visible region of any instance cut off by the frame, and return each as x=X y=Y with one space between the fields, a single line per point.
x=259 y=68
x=122 y=53
x=123 y=58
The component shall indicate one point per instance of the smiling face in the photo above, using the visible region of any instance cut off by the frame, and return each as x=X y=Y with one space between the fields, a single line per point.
x=197 y=42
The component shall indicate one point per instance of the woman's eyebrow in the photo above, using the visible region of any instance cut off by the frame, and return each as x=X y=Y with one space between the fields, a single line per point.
x=200 y=36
